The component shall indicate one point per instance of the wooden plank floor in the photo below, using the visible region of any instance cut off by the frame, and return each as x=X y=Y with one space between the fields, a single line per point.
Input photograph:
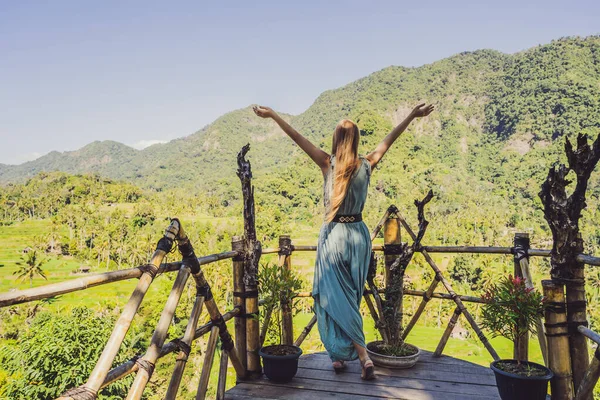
x=443 y=378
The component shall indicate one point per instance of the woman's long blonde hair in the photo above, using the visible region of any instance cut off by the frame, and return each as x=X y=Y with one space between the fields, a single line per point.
x=345 y=149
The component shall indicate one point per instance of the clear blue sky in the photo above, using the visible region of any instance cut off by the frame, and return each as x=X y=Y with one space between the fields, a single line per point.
x=72 y=72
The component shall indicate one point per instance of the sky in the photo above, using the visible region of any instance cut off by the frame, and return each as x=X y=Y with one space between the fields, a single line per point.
x=142 y=72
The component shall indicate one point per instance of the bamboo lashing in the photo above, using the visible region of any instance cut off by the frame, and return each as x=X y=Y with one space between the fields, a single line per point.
x=559 y=357
x=111 y=349
x=209 y=356
x=455 y=297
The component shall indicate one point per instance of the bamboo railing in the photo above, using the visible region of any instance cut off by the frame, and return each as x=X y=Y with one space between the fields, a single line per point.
x=242 y=351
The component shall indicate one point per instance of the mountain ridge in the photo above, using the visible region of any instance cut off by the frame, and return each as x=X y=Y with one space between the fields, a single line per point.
x=475 y=93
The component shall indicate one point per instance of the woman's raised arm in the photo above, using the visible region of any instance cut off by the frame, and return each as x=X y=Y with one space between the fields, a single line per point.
x=419 y=111
x=317 y=155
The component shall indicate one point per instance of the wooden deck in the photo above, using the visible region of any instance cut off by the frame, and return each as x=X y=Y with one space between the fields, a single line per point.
x=443 y=378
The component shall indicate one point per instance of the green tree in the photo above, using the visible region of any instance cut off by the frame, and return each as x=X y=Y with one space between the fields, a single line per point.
x=30 y=267
x=58 y=352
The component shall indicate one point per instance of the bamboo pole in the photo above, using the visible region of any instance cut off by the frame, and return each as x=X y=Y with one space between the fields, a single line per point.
x=391 y=238
x=586 y=388
x=285 y=261
x=185 y=348
x=209 y=356
x=455 y=297
x=419 y=293
x=390 y=210
x=521 y=343
x=222 y=376
x=130 y=366
x=74 y=285
x=577 y=316
x=217 y=319
x=237 y=244
x=426 y=297
x=252 y=332
x=148 y=361
x=559 y=358
x=306 y=331
x=111 y=349
x=440 y=347
x=521 y=251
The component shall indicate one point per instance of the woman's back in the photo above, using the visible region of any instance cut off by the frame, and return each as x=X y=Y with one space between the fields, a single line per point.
x=356 y=196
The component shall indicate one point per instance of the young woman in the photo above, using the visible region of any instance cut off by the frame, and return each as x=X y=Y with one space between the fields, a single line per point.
x=344 y=248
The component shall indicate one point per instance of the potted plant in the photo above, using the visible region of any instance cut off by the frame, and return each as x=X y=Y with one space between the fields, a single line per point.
x=511 y=311
x=392 y=351
x=278 y=284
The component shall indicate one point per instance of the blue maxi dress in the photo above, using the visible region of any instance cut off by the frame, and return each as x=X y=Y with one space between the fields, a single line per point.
x=343 y=255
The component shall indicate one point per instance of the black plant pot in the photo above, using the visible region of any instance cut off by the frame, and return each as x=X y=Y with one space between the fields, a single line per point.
x=280 y=368
x=518 y=387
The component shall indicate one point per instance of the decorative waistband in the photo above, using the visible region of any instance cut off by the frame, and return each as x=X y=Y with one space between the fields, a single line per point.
x=345 y=219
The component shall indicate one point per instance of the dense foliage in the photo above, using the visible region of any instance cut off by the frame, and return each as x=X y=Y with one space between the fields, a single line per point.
x=512 y=309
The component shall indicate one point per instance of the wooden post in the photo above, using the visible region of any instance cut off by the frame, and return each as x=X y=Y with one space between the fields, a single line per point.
x=237 y=244
x=391 y=238
x=222 y=376
x=252 y=253
x=559 y=358
x=521 y=343
x=577 y=316
x=252 y=332
x=209 y=356
x=285 y=261
x=521 y=252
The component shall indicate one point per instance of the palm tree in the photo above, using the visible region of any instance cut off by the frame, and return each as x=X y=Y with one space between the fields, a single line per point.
x=30 y=267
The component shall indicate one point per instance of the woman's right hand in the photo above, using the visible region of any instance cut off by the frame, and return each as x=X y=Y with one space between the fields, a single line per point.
x=263 y=111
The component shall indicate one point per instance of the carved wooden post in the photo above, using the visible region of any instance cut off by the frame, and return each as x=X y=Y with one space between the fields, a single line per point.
x=559 y=358
x=285 y=261
x=237 y=244
x=391 y=240
x=521 y=344
x=252 y=253
x=562 y=214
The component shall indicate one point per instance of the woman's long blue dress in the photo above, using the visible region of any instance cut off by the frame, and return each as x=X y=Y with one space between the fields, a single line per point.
x=343 y=255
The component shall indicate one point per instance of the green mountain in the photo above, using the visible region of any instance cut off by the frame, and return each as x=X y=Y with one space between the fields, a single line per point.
x=499 y=125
